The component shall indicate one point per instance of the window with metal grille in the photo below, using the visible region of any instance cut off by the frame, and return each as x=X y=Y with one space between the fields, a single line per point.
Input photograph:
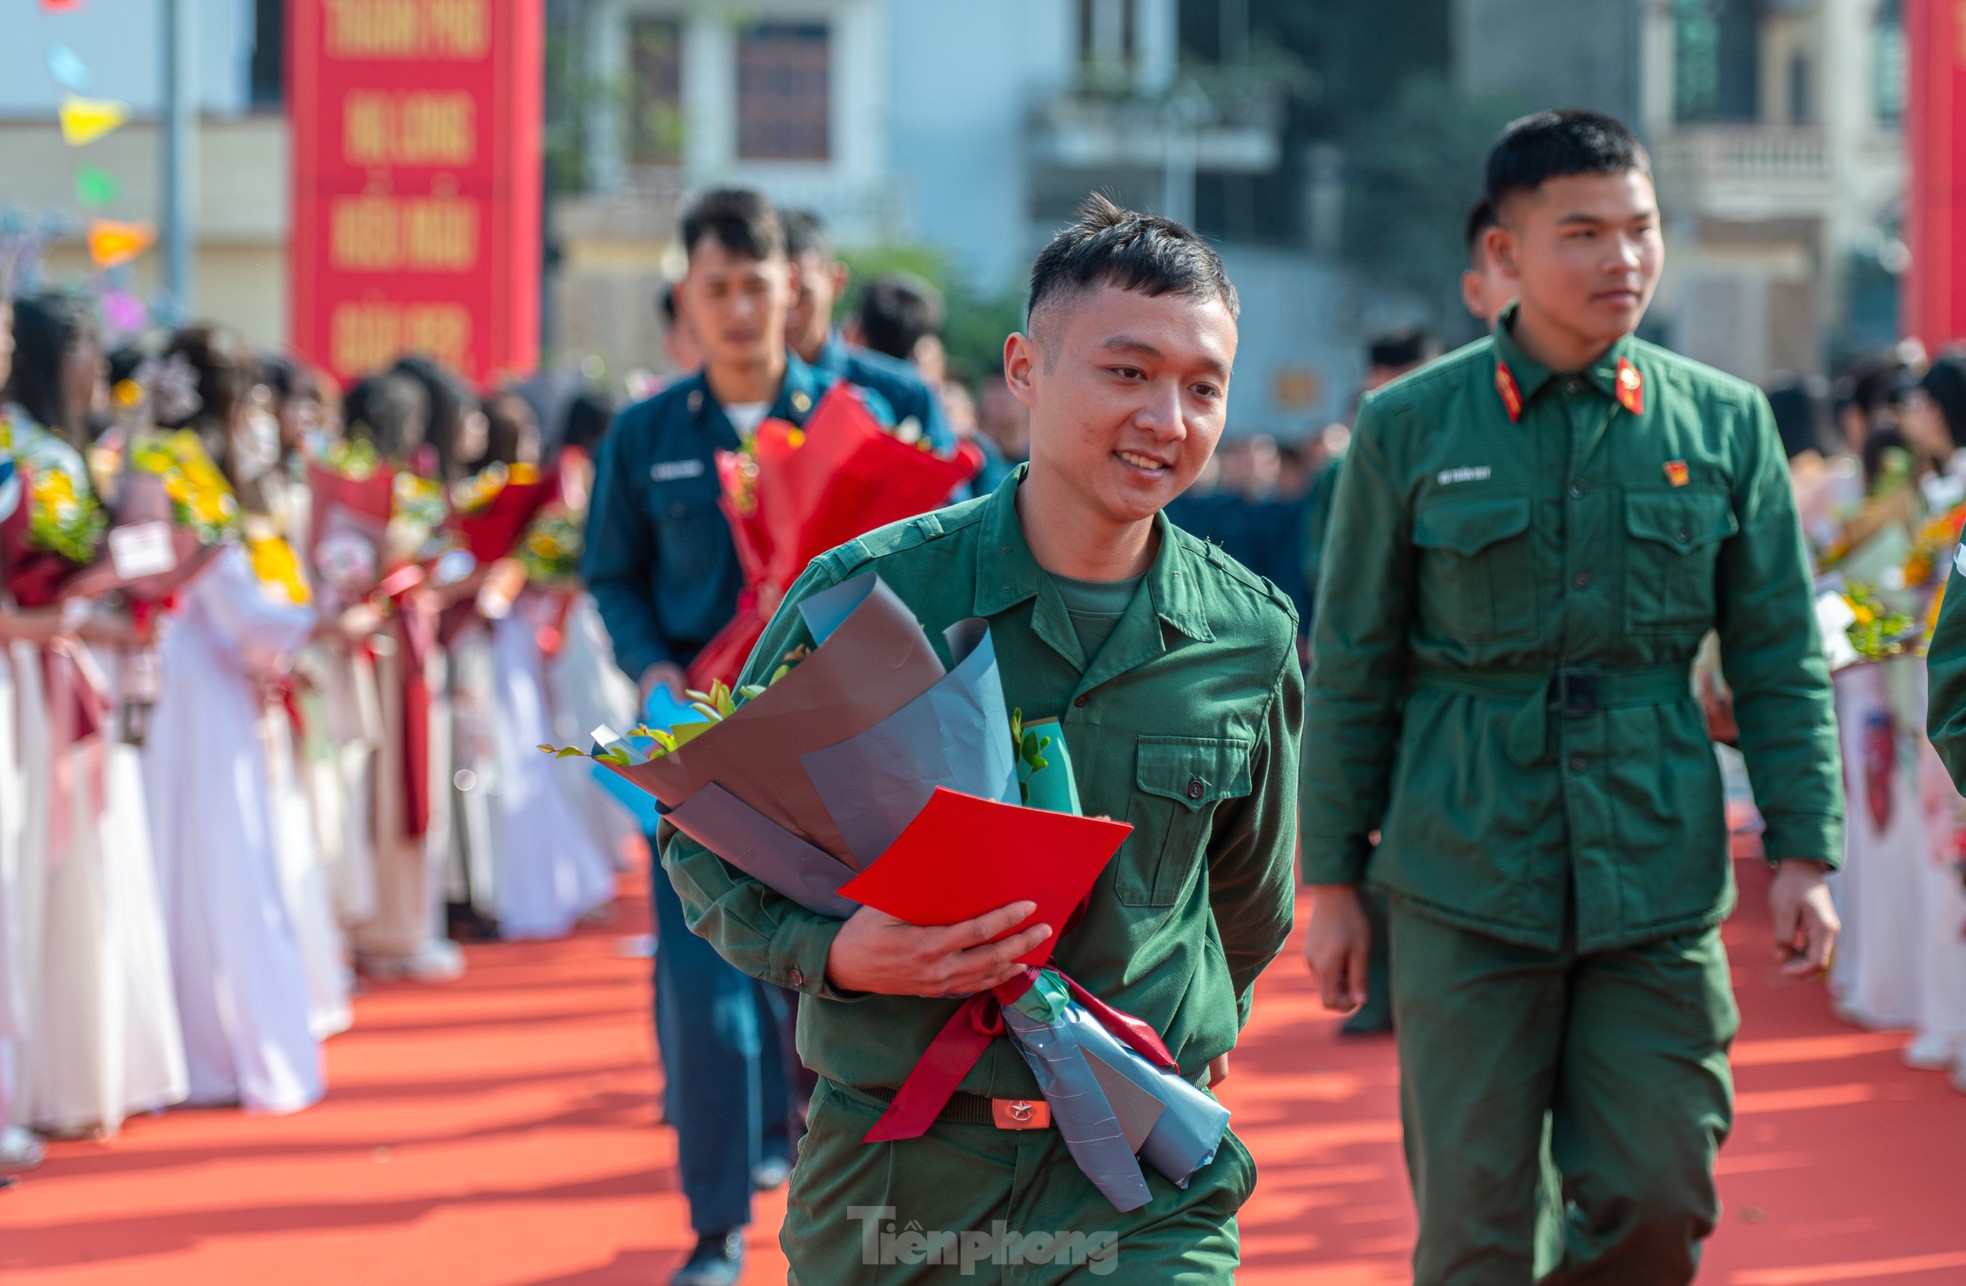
x=655 y=55
x=784 y=92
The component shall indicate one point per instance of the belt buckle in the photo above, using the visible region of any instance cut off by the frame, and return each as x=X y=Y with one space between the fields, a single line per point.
x=1020 y=1114
x=1578 y=693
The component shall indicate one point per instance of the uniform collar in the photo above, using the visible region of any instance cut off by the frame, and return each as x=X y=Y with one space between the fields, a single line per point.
x=1530 y=376
x=797 y=394
x=1007 y=574
x=832 y=355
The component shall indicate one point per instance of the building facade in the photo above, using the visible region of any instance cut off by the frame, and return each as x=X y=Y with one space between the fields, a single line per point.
x=1776 y=127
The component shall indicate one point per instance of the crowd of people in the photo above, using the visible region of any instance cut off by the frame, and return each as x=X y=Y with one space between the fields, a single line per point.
x=241 y=768
x=274 y=683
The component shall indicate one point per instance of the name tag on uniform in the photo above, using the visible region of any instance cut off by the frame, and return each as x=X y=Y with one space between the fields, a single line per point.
x=1959 y=560
x=675 y=470
x=1472 y=473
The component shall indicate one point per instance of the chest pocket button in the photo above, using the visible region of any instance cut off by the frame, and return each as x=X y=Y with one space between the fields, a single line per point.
x=1178 y=784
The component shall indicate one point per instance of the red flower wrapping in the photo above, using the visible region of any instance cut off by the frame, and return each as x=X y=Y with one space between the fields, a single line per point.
x=841 y=476
x=35 y=577
x=495 y=530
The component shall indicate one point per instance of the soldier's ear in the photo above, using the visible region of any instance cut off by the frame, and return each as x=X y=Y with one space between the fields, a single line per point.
x=1499 y=242
x=1020 y=367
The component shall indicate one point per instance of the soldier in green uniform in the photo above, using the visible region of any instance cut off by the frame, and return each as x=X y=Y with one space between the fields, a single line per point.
x=1534 y=535
x=1945 y=665
x=1174 y=673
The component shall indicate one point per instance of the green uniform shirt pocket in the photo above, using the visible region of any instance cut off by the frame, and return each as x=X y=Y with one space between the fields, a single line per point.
x=1675 y=541
x=1477 y=579
x=1179 y=782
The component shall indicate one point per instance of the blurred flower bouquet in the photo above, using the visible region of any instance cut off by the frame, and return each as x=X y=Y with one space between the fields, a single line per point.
x=491 y=509
x=551 y=549
x=793 y=493
x=1875 y=631
x=52 y=536
x=865 y=772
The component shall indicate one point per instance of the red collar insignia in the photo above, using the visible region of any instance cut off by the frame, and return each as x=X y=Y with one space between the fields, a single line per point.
x=1631 y=387
x=1511 y=394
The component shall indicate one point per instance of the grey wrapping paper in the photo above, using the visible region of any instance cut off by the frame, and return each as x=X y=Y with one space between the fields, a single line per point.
x=1185 y=1137
x=739 y=834
x=956 y=734
x=874 y=661
x=1079 y=1108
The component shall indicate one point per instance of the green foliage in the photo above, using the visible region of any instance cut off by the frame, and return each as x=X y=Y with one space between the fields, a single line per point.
x=977 y=320
x=1414 y=172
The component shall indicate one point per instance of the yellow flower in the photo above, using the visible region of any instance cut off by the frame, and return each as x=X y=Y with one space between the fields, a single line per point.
x=276 y=564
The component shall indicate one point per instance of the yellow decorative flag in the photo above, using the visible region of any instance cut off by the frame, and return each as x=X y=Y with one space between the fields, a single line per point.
x=84 y=120
x=111 y=243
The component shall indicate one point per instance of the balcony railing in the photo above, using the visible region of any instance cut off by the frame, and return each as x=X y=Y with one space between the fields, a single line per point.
x=1781 y=154
x=1089 y=129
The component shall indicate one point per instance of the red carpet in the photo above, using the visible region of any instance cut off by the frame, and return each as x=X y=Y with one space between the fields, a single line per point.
x=501 y=1132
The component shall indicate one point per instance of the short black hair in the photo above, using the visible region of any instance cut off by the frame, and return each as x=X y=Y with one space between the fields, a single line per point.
x=805 y=233
x=1480 y=220
x=666 y=305
x=585 y=421
x=1109 y=246
x=1554 y=145
x=1801 y=407
x=895 y=311
x=738 y=219
x=1945 y=384
x=1403 y=348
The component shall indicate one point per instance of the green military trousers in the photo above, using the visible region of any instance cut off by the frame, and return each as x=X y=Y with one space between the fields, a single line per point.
x=975 y=1204
x=1562 y=1111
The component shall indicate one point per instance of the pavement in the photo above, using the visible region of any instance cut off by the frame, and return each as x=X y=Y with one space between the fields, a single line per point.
x=501 y=1131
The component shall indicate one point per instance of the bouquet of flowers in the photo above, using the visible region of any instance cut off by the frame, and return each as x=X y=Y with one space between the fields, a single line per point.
x=172 y=511
x=1877 y=632
x=864 y=772
x=52 y=536
x=491 y=510
x=793 y=493
x=201 y=500
x=369 y=520
x=551 y=549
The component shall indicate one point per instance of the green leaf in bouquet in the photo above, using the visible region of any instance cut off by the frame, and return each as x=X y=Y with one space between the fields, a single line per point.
x=616 y=755
x=570 y=752
x=547 y=748
x=685 y=733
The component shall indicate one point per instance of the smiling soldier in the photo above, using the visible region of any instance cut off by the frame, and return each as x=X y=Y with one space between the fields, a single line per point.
x=1535 y=534
x=1174 y=674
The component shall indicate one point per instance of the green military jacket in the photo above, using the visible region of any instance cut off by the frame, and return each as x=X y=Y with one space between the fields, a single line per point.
x=1185 y=724
x=1496 y=524
x=1945 y=667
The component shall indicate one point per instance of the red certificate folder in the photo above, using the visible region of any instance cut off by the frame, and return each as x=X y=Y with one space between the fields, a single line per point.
x=963 y=856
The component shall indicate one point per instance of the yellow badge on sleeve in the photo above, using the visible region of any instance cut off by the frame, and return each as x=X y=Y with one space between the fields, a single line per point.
x=1676 y=473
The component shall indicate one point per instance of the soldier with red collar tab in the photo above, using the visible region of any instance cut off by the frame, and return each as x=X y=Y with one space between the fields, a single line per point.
x=1535 y=533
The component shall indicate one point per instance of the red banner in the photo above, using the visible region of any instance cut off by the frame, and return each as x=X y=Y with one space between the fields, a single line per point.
x=1935 y=141
x=416 y=182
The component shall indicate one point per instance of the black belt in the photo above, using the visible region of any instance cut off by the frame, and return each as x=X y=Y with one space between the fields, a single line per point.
x=976 y=1109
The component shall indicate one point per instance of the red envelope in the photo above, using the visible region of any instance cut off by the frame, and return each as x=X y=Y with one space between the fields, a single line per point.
x=963 y=856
